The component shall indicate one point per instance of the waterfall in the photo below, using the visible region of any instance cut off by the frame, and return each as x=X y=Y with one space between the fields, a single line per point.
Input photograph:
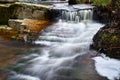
x=82 y=15
x=61 y=44
x=76 y=13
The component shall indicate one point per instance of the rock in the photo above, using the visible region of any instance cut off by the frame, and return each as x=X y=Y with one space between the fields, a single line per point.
x=37 y=14
x=7 y=1
x=108 y=38
x=23 y=10
x=36 y=11
x=71 y=2
x=15 y=24
x=4 y=14
x=103 y=14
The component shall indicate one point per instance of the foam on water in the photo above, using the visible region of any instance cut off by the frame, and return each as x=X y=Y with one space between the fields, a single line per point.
x=108 y=67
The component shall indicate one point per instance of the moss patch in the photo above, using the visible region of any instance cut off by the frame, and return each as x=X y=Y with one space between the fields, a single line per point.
x=101 y=2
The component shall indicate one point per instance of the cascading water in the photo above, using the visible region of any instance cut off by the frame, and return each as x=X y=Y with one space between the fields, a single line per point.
x=77 y=16
x=76 y=13
x=61 y=43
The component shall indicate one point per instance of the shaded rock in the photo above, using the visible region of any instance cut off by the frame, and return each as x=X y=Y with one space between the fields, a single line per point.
x=7 y=1
x=4 y=14
x=103 y=14
x=71 y=2
x=108 y=38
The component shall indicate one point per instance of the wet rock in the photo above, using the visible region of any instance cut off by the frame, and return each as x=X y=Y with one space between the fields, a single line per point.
x=36 y=11
x=108 y=38
x=83 y=67
x=15 y=24
x=37 y=14
x=23 y=10
x=71 y=2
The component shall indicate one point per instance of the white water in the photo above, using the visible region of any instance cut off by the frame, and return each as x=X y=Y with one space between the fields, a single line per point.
x=78 y=16
x=75 y=13
x=108 y=67
x=61 y=43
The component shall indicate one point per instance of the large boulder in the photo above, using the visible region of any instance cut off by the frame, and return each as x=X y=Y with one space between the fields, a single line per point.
x=108 y=38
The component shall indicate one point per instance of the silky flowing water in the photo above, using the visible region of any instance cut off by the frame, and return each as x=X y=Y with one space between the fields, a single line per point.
x=62 y=42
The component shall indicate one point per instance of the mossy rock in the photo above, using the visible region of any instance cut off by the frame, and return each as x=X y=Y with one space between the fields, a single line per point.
x=108 y=38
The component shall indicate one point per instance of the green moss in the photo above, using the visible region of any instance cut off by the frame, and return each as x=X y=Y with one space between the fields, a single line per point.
x=101 y=2
x=109 y=37
x=117 y=4
x=96 y=2
x=99 y=44
x=114 y=38
x=105 y=37
x=80 y=1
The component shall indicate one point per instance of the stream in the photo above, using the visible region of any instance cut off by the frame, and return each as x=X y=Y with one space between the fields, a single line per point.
x=62 y=43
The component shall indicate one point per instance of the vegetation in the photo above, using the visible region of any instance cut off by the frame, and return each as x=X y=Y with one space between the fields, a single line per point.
x=116 y=3
x=95 y=2
x=101 y=2
x=81 y=1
